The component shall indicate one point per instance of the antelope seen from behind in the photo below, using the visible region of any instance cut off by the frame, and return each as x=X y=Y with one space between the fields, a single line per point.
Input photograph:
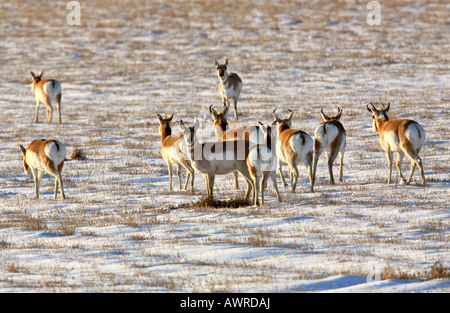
x=401 y=136
x=47 y=91
x=223 y=132
x=262 y=163
x=217 y=157
x=44 y=156
x=330 y=138
x=293 y=147
x=173 y=152
x=230 y=85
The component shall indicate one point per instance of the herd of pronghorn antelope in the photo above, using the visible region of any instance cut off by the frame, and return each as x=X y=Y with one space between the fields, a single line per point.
x=253 y=151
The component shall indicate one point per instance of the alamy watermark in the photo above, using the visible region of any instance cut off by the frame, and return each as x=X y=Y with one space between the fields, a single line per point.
x=374 y=16
x=373 y=276
x=74 y=15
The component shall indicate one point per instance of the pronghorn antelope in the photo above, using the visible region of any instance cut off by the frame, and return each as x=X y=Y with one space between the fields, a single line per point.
x=217 y=158
x=330 y=137
x=230 y=85
x=46 y=91
x=262 y=163
x=173 y=153
x=401 y=136
x=223 y=132
x=293 y=146
x=44 y=156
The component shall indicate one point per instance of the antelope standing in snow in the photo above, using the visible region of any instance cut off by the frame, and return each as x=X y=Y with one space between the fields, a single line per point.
x=401 y=136
x=293 y=147
x=217 y=158
x=46 y=91
x=330 y=137
x=230 y=85
x=262 y=163
x=223 y=132
x=44 y=156
x=172 y=152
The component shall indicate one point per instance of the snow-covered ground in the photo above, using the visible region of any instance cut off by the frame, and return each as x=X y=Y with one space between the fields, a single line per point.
x=120 y=228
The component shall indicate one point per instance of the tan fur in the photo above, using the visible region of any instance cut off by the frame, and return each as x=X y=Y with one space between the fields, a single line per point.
x=172 y=153
x=324 y=141
x=37 y=146
x=169 y=141
x=221 y=127
x=38 y=88
x=398 y=126
x=223 y=132
x=232 y=82
x=292 y=155
x=261 y=163
x=230 y=85
x=401 y=136
x=40 y=157
x=285 y=135
x=210 y=163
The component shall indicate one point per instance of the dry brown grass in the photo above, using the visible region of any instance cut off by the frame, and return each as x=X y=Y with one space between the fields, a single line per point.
x=207 y=203
x=78 y=154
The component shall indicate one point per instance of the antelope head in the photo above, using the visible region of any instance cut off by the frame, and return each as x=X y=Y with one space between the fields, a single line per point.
x=35 y=79
x=24 y=159
x=378 y=114
x=287 y=121
x=221 y=68
x=189 y=132
x=164 y=123
x=219 y=118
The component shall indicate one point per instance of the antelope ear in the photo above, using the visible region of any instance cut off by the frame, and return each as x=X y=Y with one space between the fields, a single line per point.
x=40 y=75
x=386 y=108
x=226 y=62
x=159 y=117
x=171 y=117
x=32 y=74
x=216 y=63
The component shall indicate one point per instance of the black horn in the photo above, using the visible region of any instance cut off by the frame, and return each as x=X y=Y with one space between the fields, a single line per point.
x=325 y=117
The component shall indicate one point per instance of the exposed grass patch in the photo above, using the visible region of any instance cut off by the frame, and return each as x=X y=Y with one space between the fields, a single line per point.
x=78 y=154
x=436 y=271
x=207 y=203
